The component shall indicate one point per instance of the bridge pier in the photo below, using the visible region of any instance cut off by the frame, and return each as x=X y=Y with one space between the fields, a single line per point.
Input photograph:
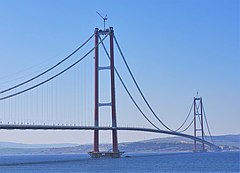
x=115 y=152
x=96 y=92
x=113 y=99
x=198 y=113
x=105 y=154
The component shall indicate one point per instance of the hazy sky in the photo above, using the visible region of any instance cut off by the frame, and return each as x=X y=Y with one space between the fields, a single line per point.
x=174 y=47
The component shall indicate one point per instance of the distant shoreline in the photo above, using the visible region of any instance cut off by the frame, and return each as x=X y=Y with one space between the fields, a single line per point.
x=159 y=145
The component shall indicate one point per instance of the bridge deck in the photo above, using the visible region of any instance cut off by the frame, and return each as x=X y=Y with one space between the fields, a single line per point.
x=58 y=127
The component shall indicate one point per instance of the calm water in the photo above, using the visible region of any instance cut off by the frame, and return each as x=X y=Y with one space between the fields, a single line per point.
x=155 y=162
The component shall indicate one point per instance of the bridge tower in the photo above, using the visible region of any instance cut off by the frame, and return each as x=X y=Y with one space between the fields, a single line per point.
x=115 y=152
x=198 y=116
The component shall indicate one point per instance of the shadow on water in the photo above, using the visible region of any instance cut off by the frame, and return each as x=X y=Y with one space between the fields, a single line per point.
x=22 y=160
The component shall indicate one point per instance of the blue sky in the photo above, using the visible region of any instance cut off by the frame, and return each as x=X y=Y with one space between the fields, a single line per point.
x=174 y=47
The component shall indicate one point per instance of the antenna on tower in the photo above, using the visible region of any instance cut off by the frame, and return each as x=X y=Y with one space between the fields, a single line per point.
x=104 y=18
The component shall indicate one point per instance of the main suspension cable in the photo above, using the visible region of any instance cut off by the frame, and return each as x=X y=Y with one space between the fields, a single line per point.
x=207 y=124
x=136 y=84
x=191 y=121
x=51 y=78
x=185 y=119
x=127 y=90
x=49 y=69
x=187 y=127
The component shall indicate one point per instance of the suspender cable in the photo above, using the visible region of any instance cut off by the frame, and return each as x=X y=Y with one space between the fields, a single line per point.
x=49 y=69
x=51 y=78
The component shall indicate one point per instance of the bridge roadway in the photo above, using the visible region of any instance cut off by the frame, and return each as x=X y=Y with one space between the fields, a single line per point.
x=66 y=127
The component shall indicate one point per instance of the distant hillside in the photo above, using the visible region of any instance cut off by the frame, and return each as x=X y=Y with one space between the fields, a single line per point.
x=172 y=144
x=20 y=145
x=168 y=144
x=229 y=140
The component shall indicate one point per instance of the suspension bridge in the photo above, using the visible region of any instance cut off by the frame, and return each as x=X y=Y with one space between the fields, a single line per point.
x=63 y=97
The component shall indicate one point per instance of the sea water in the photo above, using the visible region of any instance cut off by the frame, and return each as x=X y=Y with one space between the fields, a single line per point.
x=141 y=162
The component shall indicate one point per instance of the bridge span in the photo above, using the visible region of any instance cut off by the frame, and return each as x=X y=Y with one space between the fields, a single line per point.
x=76 y=127
x=47 y=99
